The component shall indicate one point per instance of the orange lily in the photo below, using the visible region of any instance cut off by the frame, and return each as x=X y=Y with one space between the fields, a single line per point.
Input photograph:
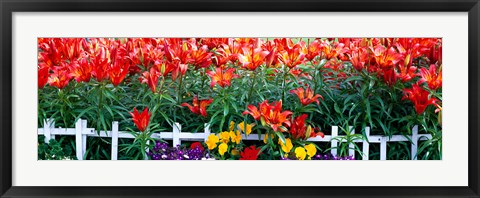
x=221 y=78
x=271 y=114
x=252 y=57
x=386 y=58
x=293 y=56
x=201 y=57
x=306 y=96
x=199 y=107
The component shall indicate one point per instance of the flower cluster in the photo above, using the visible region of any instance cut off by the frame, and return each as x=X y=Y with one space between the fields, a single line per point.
x=161 y=151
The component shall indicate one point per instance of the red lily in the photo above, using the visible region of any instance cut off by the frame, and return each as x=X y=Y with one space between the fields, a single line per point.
x=221 y=58
x=81 y=71
x=332 y=50
x=298 y=129
x=252 y=57
x=306 y=96
x=313 y=50
x=60 y=76
x=293 y=56
x=118 y=71
x=221 y=78
x=214 y=42
x=271 y=114
x=386 y=58
x=199 y=107
x=151 y=78
x=419 y=97
x=141 y=119
x=431 y=76
x=179 y=55
x=250 y=153
x=100 y=64
x=271 y=60
x=43 y=73
x=201 y=57
x=359 y=58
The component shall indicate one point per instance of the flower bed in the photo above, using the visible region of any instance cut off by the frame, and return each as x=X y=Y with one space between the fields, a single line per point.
x=289 y=90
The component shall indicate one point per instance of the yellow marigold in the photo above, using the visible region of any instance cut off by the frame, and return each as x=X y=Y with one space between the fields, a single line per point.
x=222 y=148
x=287 y=147
x=225 y=137
x=311 y=150
x=249 y=127
x=300 y=153
x=212 y=141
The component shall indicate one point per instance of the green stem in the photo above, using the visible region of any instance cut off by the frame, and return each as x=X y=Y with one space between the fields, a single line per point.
x=179 y=96
x=100 y=103
x=285 y=72
x=203 y=78
x=314 y=79
x=251 y=87
x=144 y=145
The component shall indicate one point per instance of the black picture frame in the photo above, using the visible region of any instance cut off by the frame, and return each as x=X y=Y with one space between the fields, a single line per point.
x=10 y=6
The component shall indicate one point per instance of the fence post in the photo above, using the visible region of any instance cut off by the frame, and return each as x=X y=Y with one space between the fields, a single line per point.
x=366 y=144
x=383 y=148
x=414 y=142
x=48 y=125
x=351 y=146
x=176 y=133
x=207 y=131
x=84 y=137
x=334 y=142
x=78 y=139
x=114 y=154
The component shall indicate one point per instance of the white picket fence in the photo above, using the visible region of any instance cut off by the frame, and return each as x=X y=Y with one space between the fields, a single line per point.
x=81 y=133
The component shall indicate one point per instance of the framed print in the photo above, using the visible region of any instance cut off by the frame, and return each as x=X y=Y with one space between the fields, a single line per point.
x=195 y=98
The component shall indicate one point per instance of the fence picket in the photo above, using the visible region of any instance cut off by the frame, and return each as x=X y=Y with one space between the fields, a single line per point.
x=351 y=147
x=383 y=148
x=78 y=139
x=176 y=133
x=114 y=154
x=366 y=144
x=334 y=141
x=207 y=131
x=414 y=142
x=48 y=124
x=84 y=137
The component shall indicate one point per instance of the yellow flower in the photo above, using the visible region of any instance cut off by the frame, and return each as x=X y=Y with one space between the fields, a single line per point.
x=300 y=153
x=249 y=127
x=235 y=137
x=287 y=147
x=212 y=141
x=265 y=138
x=231 y=125
x=225 y=137
x=222 y=148
x=235 y=152
x=311 y=150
